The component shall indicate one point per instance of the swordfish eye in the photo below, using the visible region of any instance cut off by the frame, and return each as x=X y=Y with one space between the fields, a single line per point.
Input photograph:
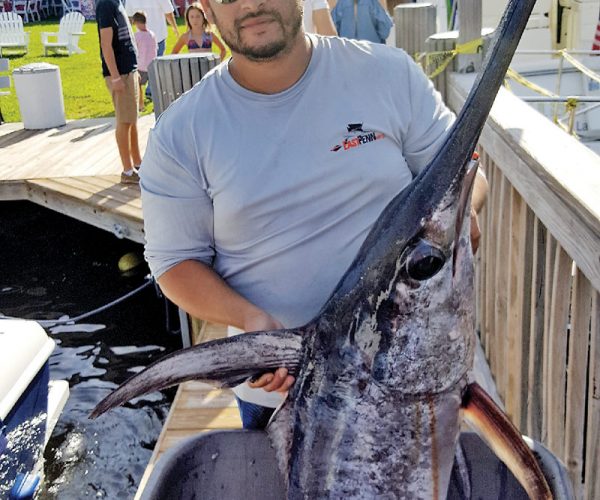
x=423 y=261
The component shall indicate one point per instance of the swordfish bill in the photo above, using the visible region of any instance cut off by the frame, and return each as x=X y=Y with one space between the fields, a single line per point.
x=382 y=369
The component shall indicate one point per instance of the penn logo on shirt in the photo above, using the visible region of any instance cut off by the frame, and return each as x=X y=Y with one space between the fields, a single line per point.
x=357 y=137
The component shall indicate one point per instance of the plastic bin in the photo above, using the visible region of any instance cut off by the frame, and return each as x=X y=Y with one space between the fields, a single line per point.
x=241 y=465
x=39 y=92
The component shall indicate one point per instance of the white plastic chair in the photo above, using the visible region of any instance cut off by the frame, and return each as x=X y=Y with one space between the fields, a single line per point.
x=33 y=9
x=21 y=7
x=71 y=6
x=12 y=34
x=67 y=38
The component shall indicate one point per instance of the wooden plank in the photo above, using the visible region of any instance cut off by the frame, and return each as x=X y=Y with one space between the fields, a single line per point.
x=13 y=190
x=470 y=23
x=492 y=264
x=501 y=287
x=536 y=339
x=215 y=398
x=102 y=190
x=592 y=444
x=82 y=147
x=208 y=418
x=74 y=189
x=551 y=246
x=517 y=338
x=581 y=310
x=557 y=354
x=116 y=222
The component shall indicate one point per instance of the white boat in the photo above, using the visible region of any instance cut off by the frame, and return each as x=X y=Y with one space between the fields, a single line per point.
x=30 y=404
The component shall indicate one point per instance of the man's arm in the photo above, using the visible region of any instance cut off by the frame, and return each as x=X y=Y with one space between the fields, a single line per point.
x=171 y=20
x=106 y=36
x=323 y=22
x=200 y=291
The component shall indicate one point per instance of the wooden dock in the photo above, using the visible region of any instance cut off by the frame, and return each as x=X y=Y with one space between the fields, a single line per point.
x=74 y=170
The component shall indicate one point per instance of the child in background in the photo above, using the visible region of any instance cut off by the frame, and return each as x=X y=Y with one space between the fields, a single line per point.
x=147 y=49
x=199 y=37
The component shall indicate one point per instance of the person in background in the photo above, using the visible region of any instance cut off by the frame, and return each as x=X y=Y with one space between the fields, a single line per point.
x=317 y=18
x=119 y=67
x=156 y=12
x=362 y=20
x=147 y=50
x=199 y=37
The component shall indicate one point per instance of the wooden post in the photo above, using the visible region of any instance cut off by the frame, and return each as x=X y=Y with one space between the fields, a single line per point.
x=469 y=25
x=172 y=75
x=391 y=5
x=438 y=44
x=414 y=22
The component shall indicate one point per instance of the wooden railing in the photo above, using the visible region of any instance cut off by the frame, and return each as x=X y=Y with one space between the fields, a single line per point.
x=538 y=280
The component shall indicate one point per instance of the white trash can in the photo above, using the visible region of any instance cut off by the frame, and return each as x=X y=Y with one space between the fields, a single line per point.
x=39 y=92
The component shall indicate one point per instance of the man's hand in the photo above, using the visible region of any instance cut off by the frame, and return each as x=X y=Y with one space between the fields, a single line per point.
x=279 y=381
x=475 y=231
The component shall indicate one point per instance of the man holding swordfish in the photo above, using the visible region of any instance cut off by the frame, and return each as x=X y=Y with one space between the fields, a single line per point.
x=260 y=184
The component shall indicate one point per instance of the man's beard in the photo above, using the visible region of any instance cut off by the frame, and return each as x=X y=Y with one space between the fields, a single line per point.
x=270 y=50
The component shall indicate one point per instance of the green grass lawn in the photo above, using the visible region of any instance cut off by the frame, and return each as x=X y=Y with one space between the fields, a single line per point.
x=84 y=91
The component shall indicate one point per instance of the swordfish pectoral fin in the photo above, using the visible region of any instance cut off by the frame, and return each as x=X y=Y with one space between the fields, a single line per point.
x=223 y=362
x=505 y=440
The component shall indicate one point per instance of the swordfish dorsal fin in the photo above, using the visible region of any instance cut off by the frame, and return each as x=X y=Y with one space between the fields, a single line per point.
x=223 y=362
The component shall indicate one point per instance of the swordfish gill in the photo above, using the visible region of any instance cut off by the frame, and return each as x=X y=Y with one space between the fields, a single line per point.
x=381 y=372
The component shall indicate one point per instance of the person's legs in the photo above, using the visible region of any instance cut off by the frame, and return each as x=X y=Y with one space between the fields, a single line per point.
x=134 y=147
x=141 y=99
x=125 y=103
x=254 y=416
x=161 y=48
x=123 y=136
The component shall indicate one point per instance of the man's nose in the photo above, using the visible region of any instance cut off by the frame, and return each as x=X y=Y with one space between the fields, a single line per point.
x=251 y=5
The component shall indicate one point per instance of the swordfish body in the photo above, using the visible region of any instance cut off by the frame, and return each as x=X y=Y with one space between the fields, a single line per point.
x=381 y=371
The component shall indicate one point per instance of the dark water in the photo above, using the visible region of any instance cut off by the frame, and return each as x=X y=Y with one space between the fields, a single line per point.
x=51 y=266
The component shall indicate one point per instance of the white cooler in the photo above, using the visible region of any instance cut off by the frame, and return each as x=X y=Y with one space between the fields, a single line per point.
x=39 y=92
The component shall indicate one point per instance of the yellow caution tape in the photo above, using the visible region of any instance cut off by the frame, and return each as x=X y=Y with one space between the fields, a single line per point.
x=513 y=75
x=442 y=59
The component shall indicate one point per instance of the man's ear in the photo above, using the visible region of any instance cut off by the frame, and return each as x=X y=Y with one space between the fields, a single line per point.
x=208 y=11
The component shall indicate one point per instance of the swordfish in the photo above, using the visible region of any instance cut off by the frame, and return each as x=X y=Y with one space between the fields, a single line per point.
x=382 y=371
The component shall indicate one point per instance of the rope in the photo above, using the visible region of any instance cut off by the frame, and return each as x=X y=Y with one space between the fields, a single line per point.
x=50 y=322
x=581 y=67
